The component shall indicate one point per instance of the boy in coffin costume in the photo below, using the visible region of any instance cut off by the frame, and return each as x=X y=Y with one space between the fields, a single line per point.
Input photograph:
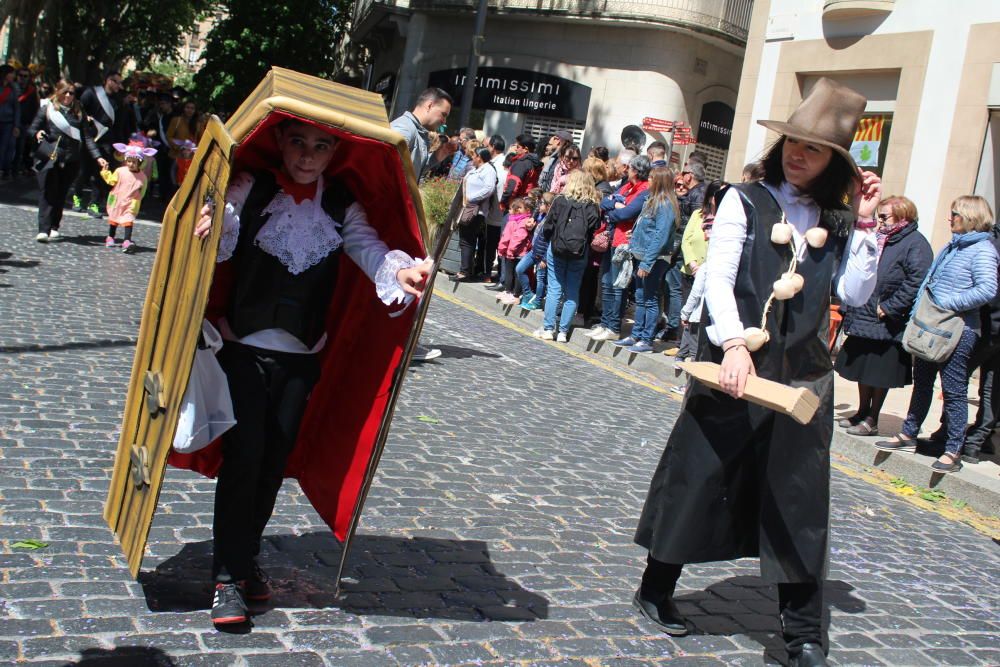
x=284 y=230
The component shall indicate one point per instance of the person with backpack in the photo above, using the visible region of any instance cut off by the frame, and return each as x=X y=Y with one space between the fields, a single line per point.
x=569 y=226
x=650 y=243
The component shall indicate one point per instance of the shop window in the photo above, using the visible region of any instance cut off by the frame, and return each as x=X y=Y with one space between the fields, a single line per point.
x=542 y=127
x=871 y=141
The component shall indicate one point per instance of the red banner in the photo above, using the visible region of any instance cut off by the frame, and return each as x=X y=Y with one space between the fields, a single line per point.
x=657 y=124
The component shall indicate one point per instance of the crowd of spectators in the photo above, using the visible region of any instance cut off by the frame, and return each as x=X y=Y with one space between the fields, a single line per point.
x=115 y=111
x=590 y=238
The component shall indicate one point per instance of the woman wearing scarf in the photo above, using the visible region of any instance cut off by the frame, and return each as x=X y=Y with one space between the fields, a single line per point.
x=873 y=354
x=569 y=161
x=737 y=480
x=962 y=278
x=60 y=128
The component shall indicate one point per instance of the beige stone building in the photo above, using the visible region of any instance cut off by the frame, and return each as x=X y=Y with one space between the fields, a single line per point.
x=930 y=70
x=592 y=67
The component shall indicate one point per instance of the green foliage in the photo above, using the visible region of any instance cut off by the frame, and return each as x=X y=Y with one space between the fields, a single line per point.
x=101 y=34
x=302 y=35
x=176 y=71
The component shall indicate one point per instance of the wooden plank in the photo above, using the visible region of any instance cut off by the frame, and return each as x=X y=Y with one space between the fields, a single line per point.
x=798 y=403
x=172 y=314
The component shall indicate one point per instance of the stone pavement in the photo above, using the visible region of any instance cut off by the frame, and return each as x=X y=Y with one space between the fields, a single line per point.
x=498 y=531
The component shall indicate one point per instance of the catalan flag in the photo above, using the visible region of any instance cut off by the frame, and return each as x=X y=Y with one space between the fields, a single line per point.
x=867 y=141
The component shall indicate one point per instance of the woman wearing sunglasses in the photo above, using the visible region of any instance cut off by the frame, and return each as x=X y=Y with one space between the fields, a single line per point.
x=59 y=127
x=569 y=161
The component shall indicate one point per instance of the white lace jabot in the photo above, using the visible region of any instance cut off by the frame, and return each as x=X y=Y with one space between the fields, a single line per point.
x=299 y=235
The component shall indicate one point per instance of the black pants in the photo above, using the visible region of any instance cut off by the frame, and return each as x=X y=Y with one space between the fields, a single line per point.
x=163 y=178
x=468 y=236
x=90 y=176
x=53 y=184
x=986 y=357
x=269 y=392
x=490 y=250
x=800 y=605
x=589 y=289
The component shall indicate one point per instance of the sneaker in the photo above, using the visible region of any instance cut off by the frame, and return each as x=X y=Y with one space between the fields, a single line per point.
x=607 y=334
x=678 y=389
x=590 y=333
x=527 y=297
x=561 y=338
x=258 y=586
x=54 y=234
x=624 y=342
x=641 y=346
x=77 y=204
x=494 y=287
x=508 y=299
x=128 y=247
x=900 y=443
x=531 y=305
x=543 y=334
x=109 y=242
x=228 y=605
x=42 y=237
x=421 y=353
x=94 y=211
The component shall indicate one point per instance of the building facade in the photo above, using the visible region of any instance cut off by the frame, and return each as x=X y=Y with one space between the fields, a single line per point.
x=592 y=67
x=930 y=71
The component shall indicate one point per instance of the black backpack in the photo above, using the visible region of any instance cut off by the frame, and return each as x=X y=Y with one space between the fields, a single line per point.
x=568 y=219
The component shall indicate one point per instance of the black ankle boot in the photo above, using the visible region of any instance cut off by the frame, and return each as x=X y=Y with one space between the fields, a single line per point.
x=663 y=612
x=809 y=655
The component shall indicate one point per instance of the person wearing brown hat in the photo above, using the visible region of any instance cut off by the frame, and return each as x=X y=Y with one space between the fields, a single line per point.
x=737 y=480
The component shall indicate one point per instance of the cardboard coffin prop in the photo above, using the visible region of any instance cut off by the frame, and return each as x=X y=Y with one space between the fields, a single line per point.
x=367 y=352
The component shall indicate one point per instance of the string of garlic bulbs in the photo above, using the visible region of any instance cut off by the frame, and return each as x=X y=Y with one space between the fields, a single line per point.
x=789 y=284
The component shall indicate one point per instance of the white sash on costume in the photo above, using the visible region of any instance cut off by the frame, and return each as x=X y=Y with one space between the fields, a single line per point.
x=59 y=120
x=109 y=110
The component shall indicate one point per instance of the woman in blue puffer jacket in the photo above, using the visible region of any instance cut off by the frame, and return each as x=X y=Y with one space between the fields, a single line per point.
x=962 y=278
x=650 y=243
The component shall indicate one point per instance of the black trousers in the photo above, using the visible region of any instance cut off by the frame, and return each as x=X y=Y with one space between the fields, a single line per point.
x=800 y=605
x=468 y=236
x=986 y=357
x=269 y=392
x=90 y=176
x=490 y=249
x=53 y=184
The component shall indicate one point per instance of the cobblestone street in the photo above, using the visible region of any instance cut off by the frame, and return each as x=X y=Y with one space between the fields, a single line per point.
x=498 y=530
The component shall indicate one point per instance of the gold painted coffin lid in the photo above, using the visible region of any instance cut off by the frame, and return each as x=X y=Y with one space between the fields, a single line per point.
x=183 y=274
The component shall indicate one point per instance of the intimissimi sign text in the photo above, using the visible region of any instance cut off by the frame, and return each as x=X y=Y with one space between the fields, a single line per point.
x=506 y=89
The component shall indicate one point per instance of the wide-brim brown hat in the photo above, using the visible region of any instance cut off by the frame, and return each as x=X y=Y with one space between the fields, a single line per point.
x=828 y=115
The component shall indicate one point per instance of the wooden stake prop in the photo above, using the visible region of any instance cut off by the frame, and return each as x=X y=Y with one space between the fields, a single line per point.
x=798 y=403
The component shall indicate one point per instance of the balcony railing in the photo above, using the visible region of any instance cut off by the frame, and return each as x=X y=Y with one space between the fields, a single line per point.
x=727 y=19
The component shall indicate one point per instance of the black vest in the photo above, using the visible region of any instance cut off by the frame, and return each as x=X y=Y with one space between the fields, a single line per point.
x=265 y=294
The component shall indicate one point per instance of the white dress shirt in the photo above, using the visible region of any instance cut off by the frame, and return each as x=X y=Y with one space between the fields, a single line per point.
x=854 y=280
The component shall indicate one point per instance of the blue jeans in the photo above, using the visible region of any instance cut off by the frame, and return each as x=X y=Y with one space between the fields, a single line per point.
x=647 y=301
x=612 y=301
x=564 y=278
x=954 y=385
x=523 y=265
x=674 y=305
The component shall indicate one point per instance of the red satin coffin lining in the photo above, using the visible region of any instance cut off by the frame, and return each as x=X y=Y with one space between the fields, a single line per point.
x=364 y=344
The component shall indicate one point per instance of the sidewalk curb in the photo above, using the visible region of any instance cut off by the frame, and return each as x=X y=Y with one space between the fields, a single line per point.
x=654 y=363
x=981 y=492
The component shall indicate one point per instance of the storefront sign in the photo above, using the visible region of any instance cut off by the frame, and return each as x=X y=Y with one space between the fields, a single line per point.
x=716 y=125
x=657 y=125
x=520 y=91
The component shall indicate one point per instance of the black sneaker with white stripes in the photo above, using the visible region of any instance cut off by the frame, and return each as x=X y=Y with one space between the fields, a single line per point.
x=228 y=605
x=258 y=587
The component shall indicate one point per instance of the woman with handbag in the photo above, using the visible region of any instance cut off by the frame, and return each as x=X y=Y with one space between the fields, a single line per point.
x=476 y=195
x=738 y=480
x=873 y=354
x=650 y=242
x=962 y=278
x=64 y=140
x=620 y=212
